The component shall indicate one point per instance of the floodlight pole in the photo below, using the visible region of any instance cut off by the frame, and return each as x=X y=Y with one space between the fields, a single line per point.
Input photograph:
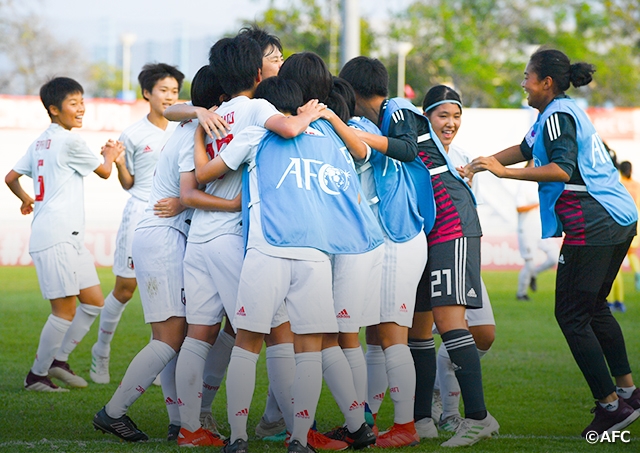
x=403 y=49
x=350 y=47
x=127 y=41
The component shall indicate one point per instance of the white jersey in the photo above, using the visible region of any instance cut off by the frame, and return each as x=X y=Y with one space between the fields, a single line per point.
x=176 y=158
x=57 y=162
x=143 y=142
x=240 y=113
x=243 y=150
x=459 y=158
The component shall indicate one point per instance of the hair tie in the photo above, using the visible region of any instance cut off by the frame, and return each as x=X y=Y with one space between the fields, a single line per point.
x=446 y=101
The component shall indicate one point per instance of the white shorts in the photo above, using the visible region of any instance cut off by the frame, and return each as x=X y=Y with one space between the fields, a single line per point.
x=211 y=276
x=356 y=289
x=63 y=270
x=159 y=253
x=123 y=258
x=481 y=316
x=304 y=286
x=402 y=269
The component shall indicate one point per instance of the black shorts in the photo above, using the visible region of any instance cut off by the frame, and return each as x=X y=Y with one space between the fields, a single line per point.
x=452 y=275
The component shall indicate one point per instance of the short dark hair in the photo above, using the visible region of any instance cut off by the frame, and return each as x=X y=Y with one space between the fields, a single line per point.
x=152 y=72
x=205 y=88
x=555 y=64
x=264 y=39
x=344 y=88
x=236 y=63
x=336 y=102
x=439 y=93
x=311 y=73
x=367 y=76
x=284 y=94
x=56 y=90
x=626 y=168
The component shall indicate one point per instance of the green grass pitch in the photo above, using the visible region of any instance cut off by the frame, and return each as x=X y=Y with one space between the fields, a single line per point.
x=532 y=385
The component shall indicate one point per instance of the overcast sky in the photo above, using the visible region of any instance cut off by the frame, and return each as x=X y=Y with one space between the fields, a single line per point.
x=84 y=20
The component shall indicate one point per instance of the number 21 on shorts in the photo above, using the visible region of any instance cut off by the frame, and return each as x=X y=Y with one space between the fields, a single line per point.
x=440 y=280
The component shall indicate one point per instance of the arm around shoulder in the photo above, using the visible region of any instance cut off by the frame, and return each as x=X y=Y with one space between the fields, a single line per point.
x=193 y=197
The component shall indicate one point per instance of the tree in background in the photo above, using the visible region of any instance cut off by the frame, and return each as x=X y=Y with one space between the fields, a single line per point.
x=105 y=80
x=603 y=33
x=473 y=45
x=312 y=25
x=482 y=46
x=33 y=54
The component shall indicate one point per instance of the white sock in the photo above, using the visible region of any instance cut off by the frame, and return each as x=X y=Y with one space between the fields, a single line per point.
x=109 y=319
x=337 y=374
x=214 y=368
x=85 y=315
x=51 y=337
x=377 y=381
x=306 y=393
x=449 y=387
x=625 y=392
x=168 y=380
x=191 y=359
x=612 y=406
x=241 y=382
x=402 y=381
x=281 y=367
x=358 y=365
x=142 y=371
x=272 y=412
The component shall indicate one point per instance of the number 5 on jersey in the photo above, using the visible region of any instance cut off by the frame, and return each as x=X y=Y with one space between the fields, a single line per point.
x=40 y=194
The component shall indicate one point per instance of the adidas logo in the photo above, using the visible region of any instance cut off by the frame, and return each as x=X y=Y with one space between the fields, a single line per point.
x=455 y=367
x=140 y=389
x=147 y=149
x=106 y=332
x=354 y=406
x=403 y=308
x=561 y=259
x=180 y=403
x=243 y=413
x=241 y=312
x=394 y=390
x=379 y=397
x=122 y=429
x=472 y=293
x=169 y=401
x=199 y=395
x=303 y=414
x=343 y=314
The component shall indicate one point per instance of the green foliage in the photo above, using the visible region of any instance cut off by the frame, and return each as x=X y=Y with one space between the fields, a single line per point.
x=106 y=80
x=532 y=385
x=314 y=26
x=481 y=46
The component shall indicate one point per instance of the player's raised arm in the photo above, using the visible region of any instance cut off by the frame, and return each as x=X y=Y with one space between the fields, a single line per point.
x=193 y=197
x=206 y=170
x=13 y=181
x=212 y=123
x=356 y=146
x=110 y=151
x=292 y=126
x=126 y=179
